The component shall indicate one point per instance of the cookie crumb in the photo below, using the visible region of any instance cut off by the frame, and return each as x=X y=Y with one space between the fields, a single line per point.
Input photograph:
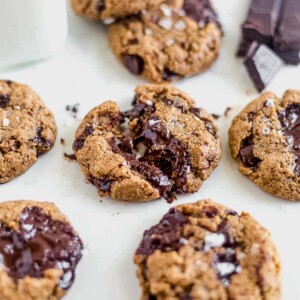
x=74 y=109
x=227 y=110
x=215 y=116
x=69 y=157
x=63 y=142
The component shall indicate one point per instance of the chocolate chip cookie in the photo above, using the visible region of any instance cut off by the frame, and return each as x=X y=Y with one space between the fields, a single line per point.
x=27 y=129
x=207 y=251
x=179 y=38
x=172 y=146
x=108 y=10
x=265 y=140
x=39 y=251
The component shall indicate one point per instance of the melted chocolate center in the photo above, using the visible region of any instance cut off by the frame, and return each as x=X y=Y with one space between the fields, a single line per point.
x=164 y=163
x=166 y=235
x=290 y=122
x=40 y=244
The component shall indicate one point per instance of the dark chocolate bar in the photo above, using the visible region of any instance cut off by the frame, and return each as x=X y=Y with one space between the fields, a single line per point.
x=261 y=23
x=262 y=64
x=287 y=37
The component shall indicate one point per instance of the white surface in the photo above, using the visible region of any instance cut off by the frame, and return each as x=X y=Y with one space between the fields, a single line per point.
x=31 y=30
x=86 y=72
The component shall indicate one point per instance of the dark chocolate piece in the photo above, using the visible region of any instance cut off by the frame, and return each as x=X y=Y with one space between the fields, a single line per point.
x=134 y=63
x=262 y=65
x=287 y=37
x=262 y=20
x=166 y=235
x=40 y=244
x=100 y=6
x=4 y=100
x=200 y=11
x=290 y=122
x=260 y=25
x=247 y=155
x=74 y=109
x=168 y=75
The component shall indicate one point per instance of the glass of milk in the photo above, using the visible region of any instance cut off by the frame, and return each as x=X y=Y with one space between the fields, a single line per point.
x=31 y=30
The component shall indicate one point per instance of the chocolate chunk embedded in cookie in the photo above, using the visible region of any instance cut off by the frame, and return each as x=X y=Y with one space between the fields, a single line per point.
x=207 y=251
x=265 y=140
x=172 y=148
x=27 y=129
x=176 y=39
x=109 y=9
x=39 y=251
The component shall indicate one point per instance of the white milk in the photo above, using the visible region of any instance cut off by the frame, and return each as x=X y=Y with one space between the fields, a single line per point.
x=31 y=30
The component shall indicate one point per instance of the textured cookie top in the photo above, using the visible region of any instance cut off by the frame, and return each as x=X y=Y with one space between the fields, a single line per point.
x=172 y=147
x=265 y=140
x=207 y=251
x=173 y=40
x=39 y=250
x=108 y=10
x=27 y=129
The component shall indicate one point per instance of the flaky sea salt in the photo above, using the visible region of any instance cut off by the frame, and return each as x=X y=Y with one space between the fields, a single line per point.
x=213 y=240
x=180 y=25
x=5 y=122
x=166 y=23
x=166 y=10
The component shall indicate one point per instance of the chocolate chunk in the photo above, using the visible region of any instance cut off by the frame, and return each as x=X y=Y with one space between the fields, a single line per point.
x=210 y=211
x=102 y=184
x=290 y=122
x=136 y=111
x=100 y=6
x=40 y=244
x=40 y=140
x=231 y=213
x=262 y=20
x=78 y=144
x=226 y=264
x=247 y=155
x=287 y=37
x=164 y=236
x=262 y=65
x=4 y=100
x=134 y=63
x=169 y=75
x=200 y=10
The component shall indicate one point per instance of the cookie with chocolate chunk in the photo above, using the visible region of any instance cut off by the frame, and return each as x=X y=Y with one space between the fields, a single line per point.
x=178 y=38
x=39 y=251
x=207 y=251
x=108 y=10
x=27 y=129
x=265 y=140
x=171 y=149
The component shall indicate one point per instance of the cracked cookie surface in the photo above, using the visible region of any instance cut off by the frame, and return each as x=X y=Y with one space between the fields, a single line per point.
x=205 y=251
x=173 y=40
x=110 y=9
x=27 y=129
x=39 y=251
x=171 y=149
x=265 y=140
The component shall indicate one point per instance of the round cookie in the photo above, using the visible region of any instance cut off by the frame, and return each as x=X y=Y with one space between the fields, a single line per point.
x=205 y=251
x=39 y=251
x=108 y=10
x=265 y=140
x=27 y=129
x=171 y=149
x=174 y=40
